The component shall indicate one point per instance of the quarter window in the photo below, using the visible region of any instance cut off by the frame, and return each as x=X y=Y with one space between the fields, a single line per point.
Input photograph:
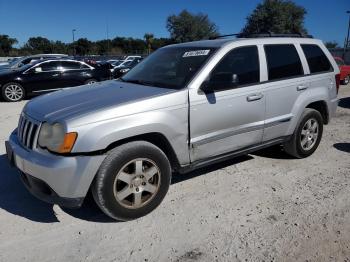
x=317 y=60
x=243 y=62
x=282 y=61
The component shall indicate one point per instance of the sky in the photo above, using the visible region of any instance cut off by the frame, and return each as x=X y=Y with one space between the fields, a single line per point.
x=326 y=19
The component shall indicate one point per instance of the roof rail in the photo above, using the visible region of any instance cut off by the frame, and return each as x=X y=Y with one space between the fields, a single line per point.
x=222 y=36
x=262 y=35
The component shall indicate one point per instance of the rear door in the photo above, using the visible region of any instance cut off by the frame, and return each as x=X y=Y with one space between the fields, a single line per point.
x=228 y=119
x=74 y=73
x=285 y=82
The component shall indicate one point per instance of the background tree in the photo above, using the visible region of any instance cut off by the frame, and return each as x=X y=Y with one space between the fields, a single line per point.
x=83 y=46
x=277 y=16
x=39 y=45
x=149 y=40
x=331 y=44
x=6 y=44
x=190 y=27
x=160 y=42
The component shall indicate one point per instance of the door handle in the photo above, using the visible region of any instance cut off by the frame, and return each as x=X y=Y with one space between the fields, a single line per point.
x=254 y=97
x=58 y=74
x=301 y=87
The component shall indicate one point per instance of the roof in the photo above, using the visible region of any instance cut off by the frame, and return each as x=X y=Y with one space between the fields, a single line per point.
x=217 y=43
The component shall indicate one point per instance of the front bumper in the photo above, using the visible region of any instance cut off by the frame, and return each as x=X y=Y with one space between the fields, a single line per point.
x=63 y=180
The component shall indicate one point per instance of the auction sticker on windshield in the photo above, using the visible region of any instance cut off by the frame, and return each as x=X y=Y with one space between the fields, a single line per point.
x=196 y=53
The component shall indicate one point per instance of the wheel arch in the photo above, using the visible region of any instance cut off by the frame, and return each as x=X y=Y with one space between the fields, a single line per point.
x=154 y=138
x=320 y=106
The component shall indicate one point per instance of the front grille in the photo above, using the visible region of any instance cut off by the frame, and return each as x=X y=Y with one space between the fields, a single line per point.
x=27 y=131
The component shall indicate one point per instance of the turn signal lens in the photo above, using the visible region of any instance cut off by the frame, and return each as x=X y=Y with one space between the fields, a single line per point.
x=68 y=142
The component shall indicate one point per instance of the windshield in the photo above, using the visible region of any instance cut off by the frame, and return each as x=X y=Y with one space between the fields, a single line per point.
x=171 y=67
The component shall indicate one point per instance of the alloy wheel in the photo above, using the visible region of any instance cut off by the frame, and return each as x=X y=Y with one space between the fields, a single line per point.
x=13 y=92
x=309 y=134
x=137 y=183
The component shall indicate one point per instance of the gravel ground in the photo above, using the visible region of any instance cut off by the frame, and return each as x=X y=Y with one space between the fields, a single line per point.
x=260 y=207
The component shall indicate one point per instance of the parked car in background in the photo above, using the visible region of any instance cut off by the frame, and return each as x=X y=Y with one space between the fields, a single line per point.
x=122 y=70
x=49 y=75
x=124 y=61
x=344 y=70
x=4 y=63
x=29 y=59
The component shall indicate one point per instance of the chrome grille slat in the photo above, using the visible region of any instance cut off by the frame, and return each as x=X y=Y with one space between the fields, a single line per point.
x=23 y=129
x=29 y=135
x=24 y=136
x=20 y=126
x=27 y=131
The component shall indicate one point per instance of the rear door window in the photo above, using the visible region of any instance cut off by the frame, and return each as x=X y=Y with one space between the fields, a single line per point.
x=317 y=60
x=283 y=61
x=70 y=65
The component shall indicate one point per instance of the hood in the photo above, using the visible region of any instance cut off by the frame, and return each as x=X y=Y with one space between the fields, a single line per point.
x=5 y=71
x=75 y=101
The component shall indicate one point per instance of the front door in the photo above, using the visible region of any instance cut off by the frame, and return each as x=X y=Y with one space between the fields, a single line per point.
x=230 y=118
x=43 y=77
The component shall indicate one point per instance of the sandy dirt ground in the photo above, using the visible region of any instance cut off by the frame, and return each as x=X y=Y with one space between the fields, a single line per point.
x=260 y=207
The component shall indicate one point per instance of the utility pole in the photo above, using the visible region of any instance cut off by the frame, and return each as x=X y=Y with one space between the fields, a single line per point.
x=347 y=37
x=107 y=33
x=73 y=31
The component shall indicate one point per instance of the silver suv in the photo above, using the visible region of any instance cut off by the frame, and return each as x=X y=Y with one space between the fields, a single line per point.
x=185 y=106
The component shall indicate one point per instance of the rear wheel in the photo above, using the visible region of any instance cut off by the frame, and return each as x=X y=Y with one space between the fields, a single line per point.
x=90 y=81
x=12 y=92
x=346 y=80
x=307 y=135
x=132 y=180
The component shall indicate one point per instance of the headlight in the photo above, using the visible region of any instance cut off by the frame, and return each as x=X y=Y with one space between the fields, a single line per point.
x=124 y=70
x=54 y=138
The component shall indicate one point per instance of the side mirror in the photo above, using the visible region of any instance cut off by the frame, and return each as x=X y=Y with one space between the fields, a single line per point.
x=220 y=81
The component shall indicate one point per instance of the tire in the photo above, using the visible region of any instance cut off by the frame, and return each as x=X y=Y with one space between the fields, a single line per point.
x=90 y=81
x=13 y=92
x=296 y=146
x=346 y=80
x=124 y=187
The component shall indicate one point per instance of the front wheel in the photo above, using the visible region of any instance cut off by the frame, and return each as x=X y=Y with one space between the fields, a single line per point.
x=307 y=135
x=13 y=92
x=132 y=181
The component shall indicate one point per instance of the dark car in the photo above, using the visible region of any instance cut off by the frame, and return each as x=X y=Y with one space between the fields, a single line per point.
x=49 y=75
x=21 y=61
x=120 y=71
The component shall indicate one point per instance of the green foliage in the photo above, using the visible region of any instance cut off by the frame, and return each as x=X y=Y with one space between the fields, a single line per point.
x=39 y=45
x=116 y=46
x=277 y=16
x=331 y=44
x=190 y=27
x=83 y=46
x=6 y=44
